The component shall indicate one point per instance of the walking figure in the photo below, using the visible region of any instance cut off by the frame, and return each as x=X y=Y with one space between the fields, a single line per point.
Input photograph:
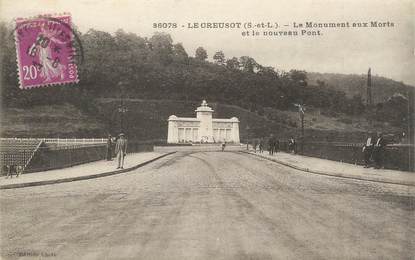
x=121 y=150
x=17 y=169
x=109 y=148
x=379 y=150
x=291 y=145
x=255 y=144
x=276 y=145
x=223 y=146
x=261 y=145
x=368 y=149
x=271 y=145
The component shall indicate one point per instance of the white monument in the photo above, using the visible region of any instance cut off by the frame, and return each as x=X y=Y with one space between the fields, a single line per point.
x=203 y=128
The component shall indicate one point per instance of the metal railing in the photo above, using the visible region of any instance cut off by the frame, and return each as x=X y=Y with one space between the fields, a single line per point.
x=16 y=158
x=399 y=157
x=47 y=158
x=55 y=157
x=396 y=156
x=60 y=141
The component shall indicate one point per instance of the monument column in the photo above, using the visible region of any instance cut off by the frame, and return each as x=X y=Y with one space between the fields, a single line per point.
x=204 y=114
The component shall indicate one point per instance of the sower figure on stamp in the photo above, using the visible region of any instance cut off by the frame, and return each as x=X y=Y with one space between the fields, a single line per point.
x=368 y=149
x=121 y=150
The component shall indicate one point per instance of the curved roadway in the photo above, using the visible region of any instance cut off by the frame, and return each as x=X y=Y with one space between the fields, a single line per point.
x=210 y=205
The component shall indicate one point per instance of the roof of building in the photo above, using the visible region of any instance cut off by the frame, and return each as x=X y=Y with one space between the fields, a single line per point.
x=175 y=118
x=225 y=120
x=204 y=108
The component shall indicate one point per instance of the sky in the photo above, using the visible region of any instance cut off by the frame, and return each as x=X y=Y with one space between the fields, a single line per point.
x=389 y=51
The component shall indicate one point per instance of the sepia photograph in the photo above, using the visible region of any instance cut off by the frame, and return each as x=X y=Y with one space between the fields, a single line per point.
x=207 y=129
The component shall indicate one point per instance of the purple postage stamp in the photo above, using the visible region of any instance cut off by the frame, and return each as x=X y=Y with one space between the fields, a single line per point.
x=45 y=52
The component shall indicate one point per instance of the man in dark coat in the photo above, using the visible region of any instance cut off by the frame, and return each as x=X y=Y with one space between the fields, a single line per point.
x=276 y=145
x=109 y=148
x=271 y=145
x=255 y=144
x=223 y=146
x=379 y=150
x=368 y=149
x=261 y=145
x=291 y=145
x=121 y=150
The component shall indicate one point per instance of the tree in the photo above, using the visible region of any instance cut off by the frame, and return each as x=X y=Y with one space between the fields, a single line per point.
x=219 y=58
x=356 y=105
x=129 y=41
x=160 y=41
x=97 y=71
x=321 y=83
x=162 y=47
x=8 y=79
x=201 y=54
x=394 y=110
x=179 y=52
x=248 y=64
x=267 y=72
x=298 y=76
x=232 y=64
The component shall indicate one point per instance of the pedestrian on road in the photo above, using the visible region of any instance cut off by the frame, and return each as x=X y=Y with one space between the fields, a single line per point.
x=368 y=149
x=291 y=145
x=17 y=169
x=271 y=145
x=223 y=146
x=261 y=145
x=121 y=150
x=276 y=145
x=379 y=150
x=109 y=148
x=255 y=144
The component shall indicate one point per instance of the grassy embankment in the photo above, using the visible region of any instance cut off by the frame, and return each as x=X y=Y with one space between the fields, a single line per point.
x=147 y=119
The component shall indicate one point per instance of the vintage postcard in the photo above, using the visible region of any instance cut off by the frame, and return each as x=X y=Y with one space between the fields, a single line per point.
x=172 y=129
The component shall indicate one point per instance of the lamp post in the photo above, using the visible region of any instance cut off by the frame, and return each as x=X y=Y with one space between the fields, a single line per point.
x=301 y=112
x=247 y=136
x=122 y=109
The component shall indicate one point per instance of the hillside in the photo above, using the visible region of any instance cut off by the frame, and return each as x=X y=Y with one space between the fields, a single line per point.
x=65 y=121
x=147 y=120
x=157 y=68
x=157 y=77
x=352 y=84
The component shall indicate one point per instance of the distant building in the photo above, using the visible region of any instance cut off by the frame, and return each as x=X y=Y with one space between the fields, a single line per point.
x=203 y=128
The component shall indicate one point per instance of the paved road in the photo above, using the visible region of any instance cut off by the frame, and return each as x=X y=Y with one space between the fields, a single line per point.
x=210 y=205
